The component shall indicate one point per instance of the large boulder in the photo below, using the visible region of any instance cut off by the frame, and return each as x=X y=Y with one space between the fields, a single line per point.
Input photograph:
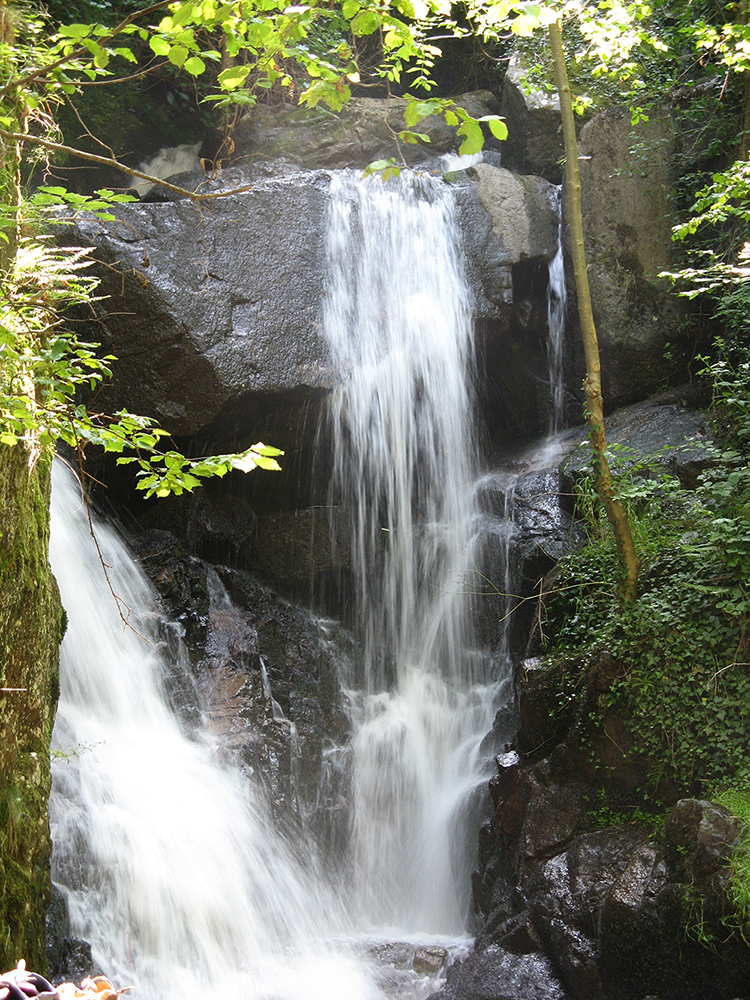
x=497 y=974
x=215 y=310
x=627 y=212
x=617 y=916
x=523 y=212
x=214 y=306
x=532 y=114
x=362 y=132
x=664 y=434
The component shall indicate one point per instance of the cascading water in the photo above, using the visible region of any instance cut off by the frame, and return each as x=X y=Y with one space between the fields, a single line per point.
x=171 y=864
x=173 y=870
x=398 y=323
x=557 y=312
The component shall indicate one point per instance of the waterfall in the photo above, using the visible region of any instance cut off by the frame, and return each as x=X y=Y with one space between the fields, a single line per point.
x=398 y=323
x=557 y=312
x=172 y=868
x=168 y=856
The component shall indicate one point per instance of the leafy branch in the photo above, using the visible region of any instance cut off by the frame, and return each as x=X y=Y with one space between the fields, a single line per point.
x=45 y=370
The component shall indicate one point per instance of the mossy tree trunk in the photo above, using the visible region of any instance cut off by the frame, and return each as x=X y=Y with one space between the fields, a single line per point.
x=616 y=513
x=30 y=633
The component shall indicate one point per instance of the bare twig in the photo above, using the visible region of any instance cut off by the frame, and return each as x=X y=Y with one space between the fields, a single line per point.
x=152 y=67
x=88 y=131
x=107 y=161
x=81 y=476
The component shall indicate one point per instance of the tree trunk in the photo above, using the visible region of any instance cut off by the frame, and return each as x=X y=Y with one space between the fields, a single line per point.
x=616 y=514
x=745 y=140
x=30 y=633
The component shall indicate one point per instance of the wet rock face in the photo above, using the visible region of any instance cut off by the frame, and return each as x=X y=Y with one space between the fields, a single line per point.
x=701 y=837
x=523 y=518
x=215 y=311
x=266 y=683
x=610 y=910
x=69 y=959
x=497 y=974
x=216 y=317
x=617 y=912
x=215 y=306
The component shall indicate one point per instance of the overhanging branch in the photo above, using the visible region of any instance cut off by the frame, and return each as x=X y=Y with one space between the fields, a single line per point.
x=108 y=161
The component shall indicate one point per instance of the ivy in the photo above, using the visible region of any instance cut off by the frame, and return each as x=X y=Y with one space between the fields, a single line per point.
x=683 y=645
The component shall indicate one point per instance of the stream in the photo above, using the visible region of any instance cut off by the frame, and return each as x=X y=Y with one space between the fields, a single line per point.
x=171 y=864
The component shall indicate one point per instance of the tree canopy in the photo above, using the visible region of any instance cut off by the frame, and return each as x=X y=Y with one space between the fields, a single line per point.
x=234 y=54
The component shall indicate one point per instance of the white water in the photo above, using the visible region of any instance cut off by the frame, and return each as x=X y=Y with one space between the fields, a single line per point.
x=169 y=161
x=557 y=314
x=174 y=872
x=398 y=323
x=173 y=869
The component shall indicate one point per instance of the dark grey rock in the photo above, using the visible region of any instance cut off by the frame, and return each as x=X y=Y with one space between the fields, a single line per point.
x=69 y=958
x=523 y=212
x=496 y=974
x=535 y=143
x=296 y=548
x=701 y=837
x=216 y=303
x=615 y=914
x=363 y=131
x=214 y=310
x=658 y=435
x=541 y=719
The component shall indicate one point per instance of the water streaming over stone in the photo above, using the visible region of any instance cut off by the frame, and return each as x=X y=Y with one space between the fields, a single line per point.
x=172 y=868
x=557 y=313
x=398 y=323
x=170 y=861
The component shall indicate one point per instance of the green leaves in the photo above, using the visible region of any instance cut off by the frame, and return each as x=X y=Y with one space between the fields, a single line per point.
x=473 y=139
x=497 y=126
x=386 y=168
x=44 y=367
x=468 y=127
x=163 y=473
x=159 y=45
x=49 y=197
x=194 y=66
x=234 y=77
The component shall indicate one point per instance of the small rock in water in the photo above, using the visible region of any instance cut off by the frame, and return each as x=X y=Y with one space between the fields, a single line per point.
x=429 y=960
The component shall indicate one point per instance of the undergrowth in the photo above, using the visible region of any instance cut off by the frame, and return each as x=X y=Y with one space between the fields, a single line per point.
x=737 y=801
x=682 y=647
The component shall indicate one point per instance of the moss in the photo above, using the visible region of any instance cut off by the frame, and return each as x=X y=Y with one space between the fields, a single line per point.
x=30 y=627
